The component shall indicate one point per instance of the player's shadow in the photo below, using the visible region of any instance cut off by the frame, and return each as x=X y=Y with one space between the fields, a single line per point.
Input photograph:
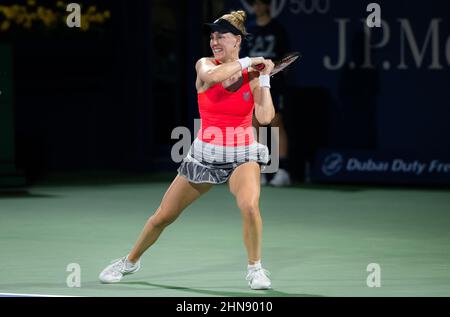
x=262 y=293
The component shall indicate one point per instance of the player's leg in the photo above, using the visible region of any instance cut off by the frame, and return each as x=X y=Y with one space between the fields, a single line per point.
x=244 y=185
x=180 y=194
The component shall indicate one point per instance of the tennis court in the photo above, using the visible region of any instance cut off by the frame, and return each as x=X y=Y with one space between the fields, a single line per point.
x=318 y=241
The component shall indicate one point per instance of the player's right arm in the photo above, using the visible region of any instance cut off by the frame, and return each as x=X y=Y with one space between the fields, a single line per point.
x=209 y=74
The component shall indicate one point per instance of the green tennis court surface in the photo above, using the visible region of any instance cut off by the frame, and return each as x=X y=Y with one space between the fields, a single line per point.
x=318 y=241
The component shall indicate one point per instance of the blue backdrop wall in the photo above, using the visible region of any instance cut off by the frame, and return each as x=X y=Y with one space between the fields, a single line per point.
x=387 y=88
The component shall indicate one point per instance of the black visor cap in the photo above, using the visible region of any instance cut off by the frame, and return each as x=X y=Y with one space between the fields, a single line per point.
x=223 y=26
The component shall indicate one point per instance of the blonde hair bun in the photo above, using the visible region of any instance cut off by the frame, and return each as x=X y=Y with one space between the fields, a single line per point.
x=237 y=19
x=240 y=15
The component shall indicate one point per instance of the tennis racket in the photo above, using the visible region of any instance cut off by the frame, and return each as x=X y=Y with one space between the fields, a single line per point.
x=282 y=64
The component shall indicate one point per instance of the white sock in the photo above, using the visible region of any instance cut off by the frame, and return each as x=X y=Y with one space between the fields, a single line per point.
x=254 y=266
x=129 y=263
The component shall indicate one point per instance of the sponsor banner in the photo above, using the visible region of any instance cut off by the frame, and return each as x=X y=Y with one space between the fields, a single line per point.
x=382 y=80
x=379 y=167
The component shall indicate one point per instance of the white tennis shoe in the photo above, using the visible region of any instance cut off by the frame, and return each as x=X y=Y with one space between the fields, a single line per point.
x=258 y=279
x=118 y=268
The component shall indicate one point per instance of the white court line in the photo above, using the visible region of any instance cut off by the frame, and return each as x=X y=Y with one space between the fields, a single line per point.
x=33 y=295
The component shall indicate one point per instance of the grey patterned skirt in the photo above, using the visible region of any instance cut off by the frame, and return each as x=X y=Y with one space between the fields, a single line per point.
x=214 y=164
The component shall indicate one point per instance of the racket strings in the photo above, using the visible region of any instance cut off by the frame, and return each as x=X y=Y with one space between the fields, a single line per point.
x=284 y=62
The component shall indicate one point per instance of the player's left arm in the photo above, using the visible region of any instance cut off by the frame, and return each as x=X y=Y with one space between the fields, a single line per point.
x=264 y=109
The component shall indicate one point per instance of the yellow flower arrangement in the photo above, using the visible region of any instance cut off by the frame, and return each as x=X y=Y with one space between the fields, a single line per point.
x=26 y=16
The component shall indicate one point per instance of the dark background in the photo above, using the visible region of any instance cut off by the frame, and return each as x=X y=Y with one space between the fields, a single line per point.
x=107 y=99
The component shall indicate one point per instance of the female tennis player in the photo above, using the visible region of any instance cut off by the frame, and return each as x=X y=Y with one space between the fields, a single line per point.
x=229 y=91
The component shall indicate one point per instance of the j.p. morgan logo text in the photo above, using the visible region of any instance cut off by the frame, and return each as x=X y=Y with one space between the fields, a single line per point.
x=334 y=163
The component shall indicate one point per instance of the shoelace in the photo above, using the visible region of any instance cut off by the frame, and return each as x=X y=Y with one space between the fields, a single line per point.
x=120 y=265
x=257 y=272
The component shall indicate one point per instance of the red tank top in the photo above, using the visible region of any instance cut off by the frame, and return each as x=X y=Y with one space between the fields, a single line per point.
x=226 y=117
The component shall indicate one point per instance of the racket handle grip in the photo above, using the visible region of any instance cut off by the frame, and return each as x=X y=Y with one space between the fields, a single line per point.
x=260 y=67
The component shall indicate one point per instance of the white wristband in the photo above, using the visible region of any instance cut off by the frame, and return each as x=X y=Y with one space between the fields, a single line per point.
x=245 y=62
x=264 y=81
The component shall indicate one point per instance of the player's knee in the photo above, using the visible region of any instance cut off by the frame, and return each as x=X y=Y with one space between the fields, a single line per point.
x=161 y=220
x=249 y=207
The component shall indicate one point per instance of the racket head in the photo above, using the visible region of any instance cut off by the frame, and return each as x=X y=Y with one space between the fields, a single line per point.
x=285 y=62
x=281 y=64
